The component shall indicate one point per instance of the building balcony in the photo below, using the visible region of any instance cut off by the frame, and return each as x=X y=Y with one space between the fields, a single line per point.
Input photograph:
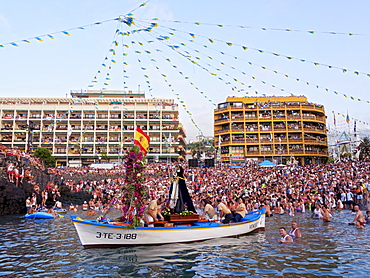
x=311 y=129
x=265 y=129
x=266 y=118
x=222 y=109
x=237 y=119
x=237 y=141
x=311 y=106
x=281 y=141
x=312 y=152
x=315 y=141
x=298 y=140
x=222 y=120
x=253 y=152
x=293 y=117
x=236 y=129
x=251 y=119
x=279 y=128
x=294 y=129
x=279 y=117
x=296 y=151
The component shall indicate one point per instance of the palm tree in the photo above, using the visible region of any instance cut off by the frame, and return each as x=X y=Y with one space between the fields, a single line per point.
x=364 y=148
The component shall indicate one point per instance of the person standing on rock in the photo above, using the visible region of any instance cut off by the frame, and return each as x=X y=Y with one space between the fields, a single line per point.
x=16 y=175
x=10 y=172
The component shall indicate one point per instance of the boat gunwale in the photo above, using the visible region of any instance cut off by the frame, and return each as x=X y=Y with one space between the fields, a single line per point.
x=88 y=222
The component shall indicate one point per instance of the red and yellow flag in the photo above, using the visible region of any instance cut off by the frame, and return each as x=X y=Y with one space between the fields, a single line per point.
x=142 y=140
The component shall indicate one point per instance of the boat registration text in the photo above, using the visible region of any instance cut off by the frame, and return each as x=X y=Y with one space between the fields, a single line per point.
x=116 y=235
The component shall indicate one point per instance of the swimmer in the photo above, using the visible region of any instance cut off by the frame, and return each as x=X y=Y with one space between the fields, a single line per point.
x=359 y=218
x=91 y=212
x=50 y=210
x=285 y=238
x=367 y=217
x=294 y=231
x=317 y=212
x=325 y=214
x=32 y=209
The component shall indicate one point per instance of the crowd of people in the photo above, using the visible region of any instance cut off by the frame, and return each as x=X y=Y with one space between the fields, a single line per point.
x=226 y=191
x=230 y=192
x=16 y=171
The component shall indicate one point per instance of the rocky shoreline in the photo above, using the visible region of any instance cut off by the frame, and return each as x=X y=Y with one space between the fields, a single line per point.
x=13 y=198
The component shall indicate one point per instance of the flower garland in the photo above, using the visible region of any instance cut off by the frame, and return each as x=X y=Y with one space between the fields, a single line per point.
x=133 y=193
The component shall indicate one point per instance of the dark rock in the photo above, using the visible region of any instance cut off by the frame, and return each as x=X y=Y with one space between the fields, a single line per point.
x=13 y=198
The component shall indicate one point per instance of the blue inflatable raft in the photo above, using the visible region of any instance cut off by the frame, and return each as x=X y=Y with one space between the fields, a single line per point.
x=39 y=215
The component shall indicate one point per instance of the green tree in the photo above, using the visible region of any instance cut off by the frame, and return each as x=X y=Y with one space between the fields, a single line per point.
x=45 y=155
x=330 y=160
x=200 y=147
x=364 y=148
x=105 y=156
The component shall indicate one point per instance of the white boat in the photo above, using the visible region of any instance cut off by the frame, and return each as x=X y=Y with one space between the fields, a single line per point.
x=112 y=234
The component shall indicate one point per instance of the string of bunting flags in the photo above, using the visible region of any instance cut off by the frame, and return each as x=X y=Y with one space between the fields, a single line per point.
x=347 y=118
x=179 y=45
x=186 y=78
x=245 y=47
x=193 y=55
x=188 y=55
x=67 y=32
x=311 y=32
x=170 y=86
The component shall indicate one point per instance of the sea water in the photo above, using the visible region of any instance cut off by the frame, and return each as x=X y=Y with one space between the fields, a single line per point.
x=51 y=248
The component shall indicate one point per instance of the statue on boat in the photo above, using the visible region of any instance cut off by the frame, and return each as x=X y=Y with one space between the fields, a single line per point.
x=179 y=197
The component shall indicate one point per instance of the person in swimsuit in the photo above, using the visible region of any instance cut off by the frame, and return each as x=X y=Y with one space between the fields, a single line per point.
x=317 y=212
x=32 y=209
x=367 y=217
x=325 y=214
x=285 y=238
x=359 y=218
x=294 y=231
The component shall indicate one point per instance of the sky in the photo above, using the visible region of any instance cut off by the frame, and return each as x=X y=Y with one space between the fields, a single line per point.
x=198 y=52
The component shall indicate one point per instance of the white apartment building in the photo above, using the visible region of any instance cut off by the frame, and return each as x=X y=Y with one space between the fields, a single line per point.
x=92 y=125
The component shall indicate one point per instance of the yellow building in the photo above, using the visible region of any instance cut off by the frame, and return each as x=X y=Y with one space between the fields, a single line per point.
x=282 y=129
x=91 y=124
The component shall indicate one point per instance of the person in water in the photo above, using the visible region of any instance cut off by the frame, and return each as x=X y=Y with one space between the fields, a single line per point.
x=317 y=212
x=359 y=218
x=325 y=214
x=294 y=231
x=32 y=209
x=51 y=211
x=367 y=217
x=285 y=238
x=179 y=196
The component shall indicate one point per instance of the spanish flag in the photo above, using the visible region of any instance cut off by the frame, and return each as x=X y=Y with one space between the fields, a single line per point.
x=142 y=140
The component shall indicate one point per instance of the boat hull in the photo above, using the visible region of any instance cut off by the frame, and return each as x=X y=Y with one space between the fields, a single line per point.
x=94 y=234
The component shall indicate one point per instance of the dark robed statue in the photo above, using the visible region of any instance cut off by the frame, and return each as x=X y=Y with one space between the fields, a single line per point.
x=179 y=196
